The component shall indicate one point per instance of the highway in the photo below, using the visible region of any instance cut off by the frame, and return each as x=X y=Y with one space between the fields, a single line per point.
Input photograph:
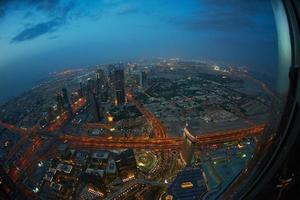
x=97 y=126
x=91 y=142
x=158 y=128
x=121 y=142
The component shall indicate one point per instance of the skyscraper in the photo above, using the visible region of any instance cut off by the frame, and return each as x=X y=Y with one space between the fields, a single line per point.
x=82 y=91
x=99 y=81
x=143 y=79
x=67 y=101
x=119 y=83
x=189 y=142
x=60 y=103
x=93 y=100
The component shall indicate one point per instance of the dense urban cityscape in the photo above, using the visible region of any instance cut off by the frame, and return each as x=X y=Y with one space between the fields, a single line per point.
x=155 y=129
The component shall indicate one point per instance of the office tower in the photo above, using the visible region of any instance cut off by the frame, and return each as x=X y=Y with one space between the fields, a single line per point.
x=97 y=114
x=188 y=149
x=105 y=92
x=90 y=86
x=119 y=83
x=60 y=103
x=67 y=101
x=82 y=90
x=126 y=164
x=99 y=82
x=93 y=100
x=143 y=79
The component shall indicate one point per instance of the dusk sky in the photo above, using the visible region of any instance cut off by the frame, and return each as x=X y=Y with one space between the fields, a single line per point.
x=39 y=36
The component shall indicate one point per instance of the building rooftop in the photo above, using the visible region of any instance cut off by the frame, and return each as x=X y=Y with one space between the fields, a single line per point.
x=189 y=184
x=64 y=168
x=100 y=155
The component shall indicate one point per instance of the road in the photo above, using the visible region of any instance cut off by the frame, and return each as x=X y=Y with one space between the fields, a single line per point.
x=158 y=128
x=158 y=143
x=121 y=142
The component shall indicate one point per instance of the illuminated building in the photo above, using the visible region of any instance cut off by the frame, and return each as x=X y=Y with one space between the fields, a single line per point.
x=50 y=114
x=93 y=100
x=67 y=101
x=126 y=164
x=188 y=146
x=188 y=184
x=82 y=89
x=143 y=79
x=119 y=83
x=60 y=103
x=99 y=81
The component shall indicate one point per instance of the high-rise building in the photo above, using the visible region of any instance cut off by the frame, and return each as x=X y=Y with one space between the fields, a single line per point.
x=119 y=83
x=95 y=106
x=67 y=101
x=189 y=142
x=60 y=103
x=100 y=80
x=126 y=163
x=143 y=79
x=90 y=86
x=82 y=91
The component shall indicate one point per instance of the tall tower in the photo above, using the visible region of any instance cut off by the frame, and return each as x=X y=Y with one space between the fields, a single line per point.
x=119 y=86
x=50 y=114
x=189 y=142
x=143 y=79
x=60 y=103
x=93 y=101
x=99 y=81
x=67 y=101
x=82 y=89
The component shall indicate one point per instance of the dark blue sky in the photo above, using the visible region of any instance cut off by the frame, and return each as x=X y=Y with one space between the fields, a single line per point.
x=38 y=36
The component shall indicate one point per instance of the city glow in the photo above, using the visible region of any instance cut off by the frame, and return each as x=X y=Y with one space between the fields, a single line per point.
x=110 y=119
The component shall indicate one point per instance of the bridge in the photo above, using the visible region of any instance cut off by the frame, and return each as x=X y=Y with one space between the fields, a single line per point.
x=90 y=142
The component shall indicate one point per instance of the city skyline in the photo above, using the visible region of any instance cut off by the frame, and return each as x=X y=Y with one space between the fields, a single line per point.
x=123 y=131
x=35 y=33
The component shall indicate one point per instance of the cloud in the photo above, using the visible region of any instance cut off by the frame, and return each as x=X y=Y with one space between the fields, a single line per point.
x=43 y=5
x=37 y=30
x=33 y=31
x=127 y=9
x=224 y=16
x=46 y=5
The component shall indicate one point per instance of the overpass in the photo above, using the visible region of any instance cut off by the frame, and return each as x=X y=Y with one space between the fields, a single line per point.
x=230 y=135
x=158 y=128
x=90 y=142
